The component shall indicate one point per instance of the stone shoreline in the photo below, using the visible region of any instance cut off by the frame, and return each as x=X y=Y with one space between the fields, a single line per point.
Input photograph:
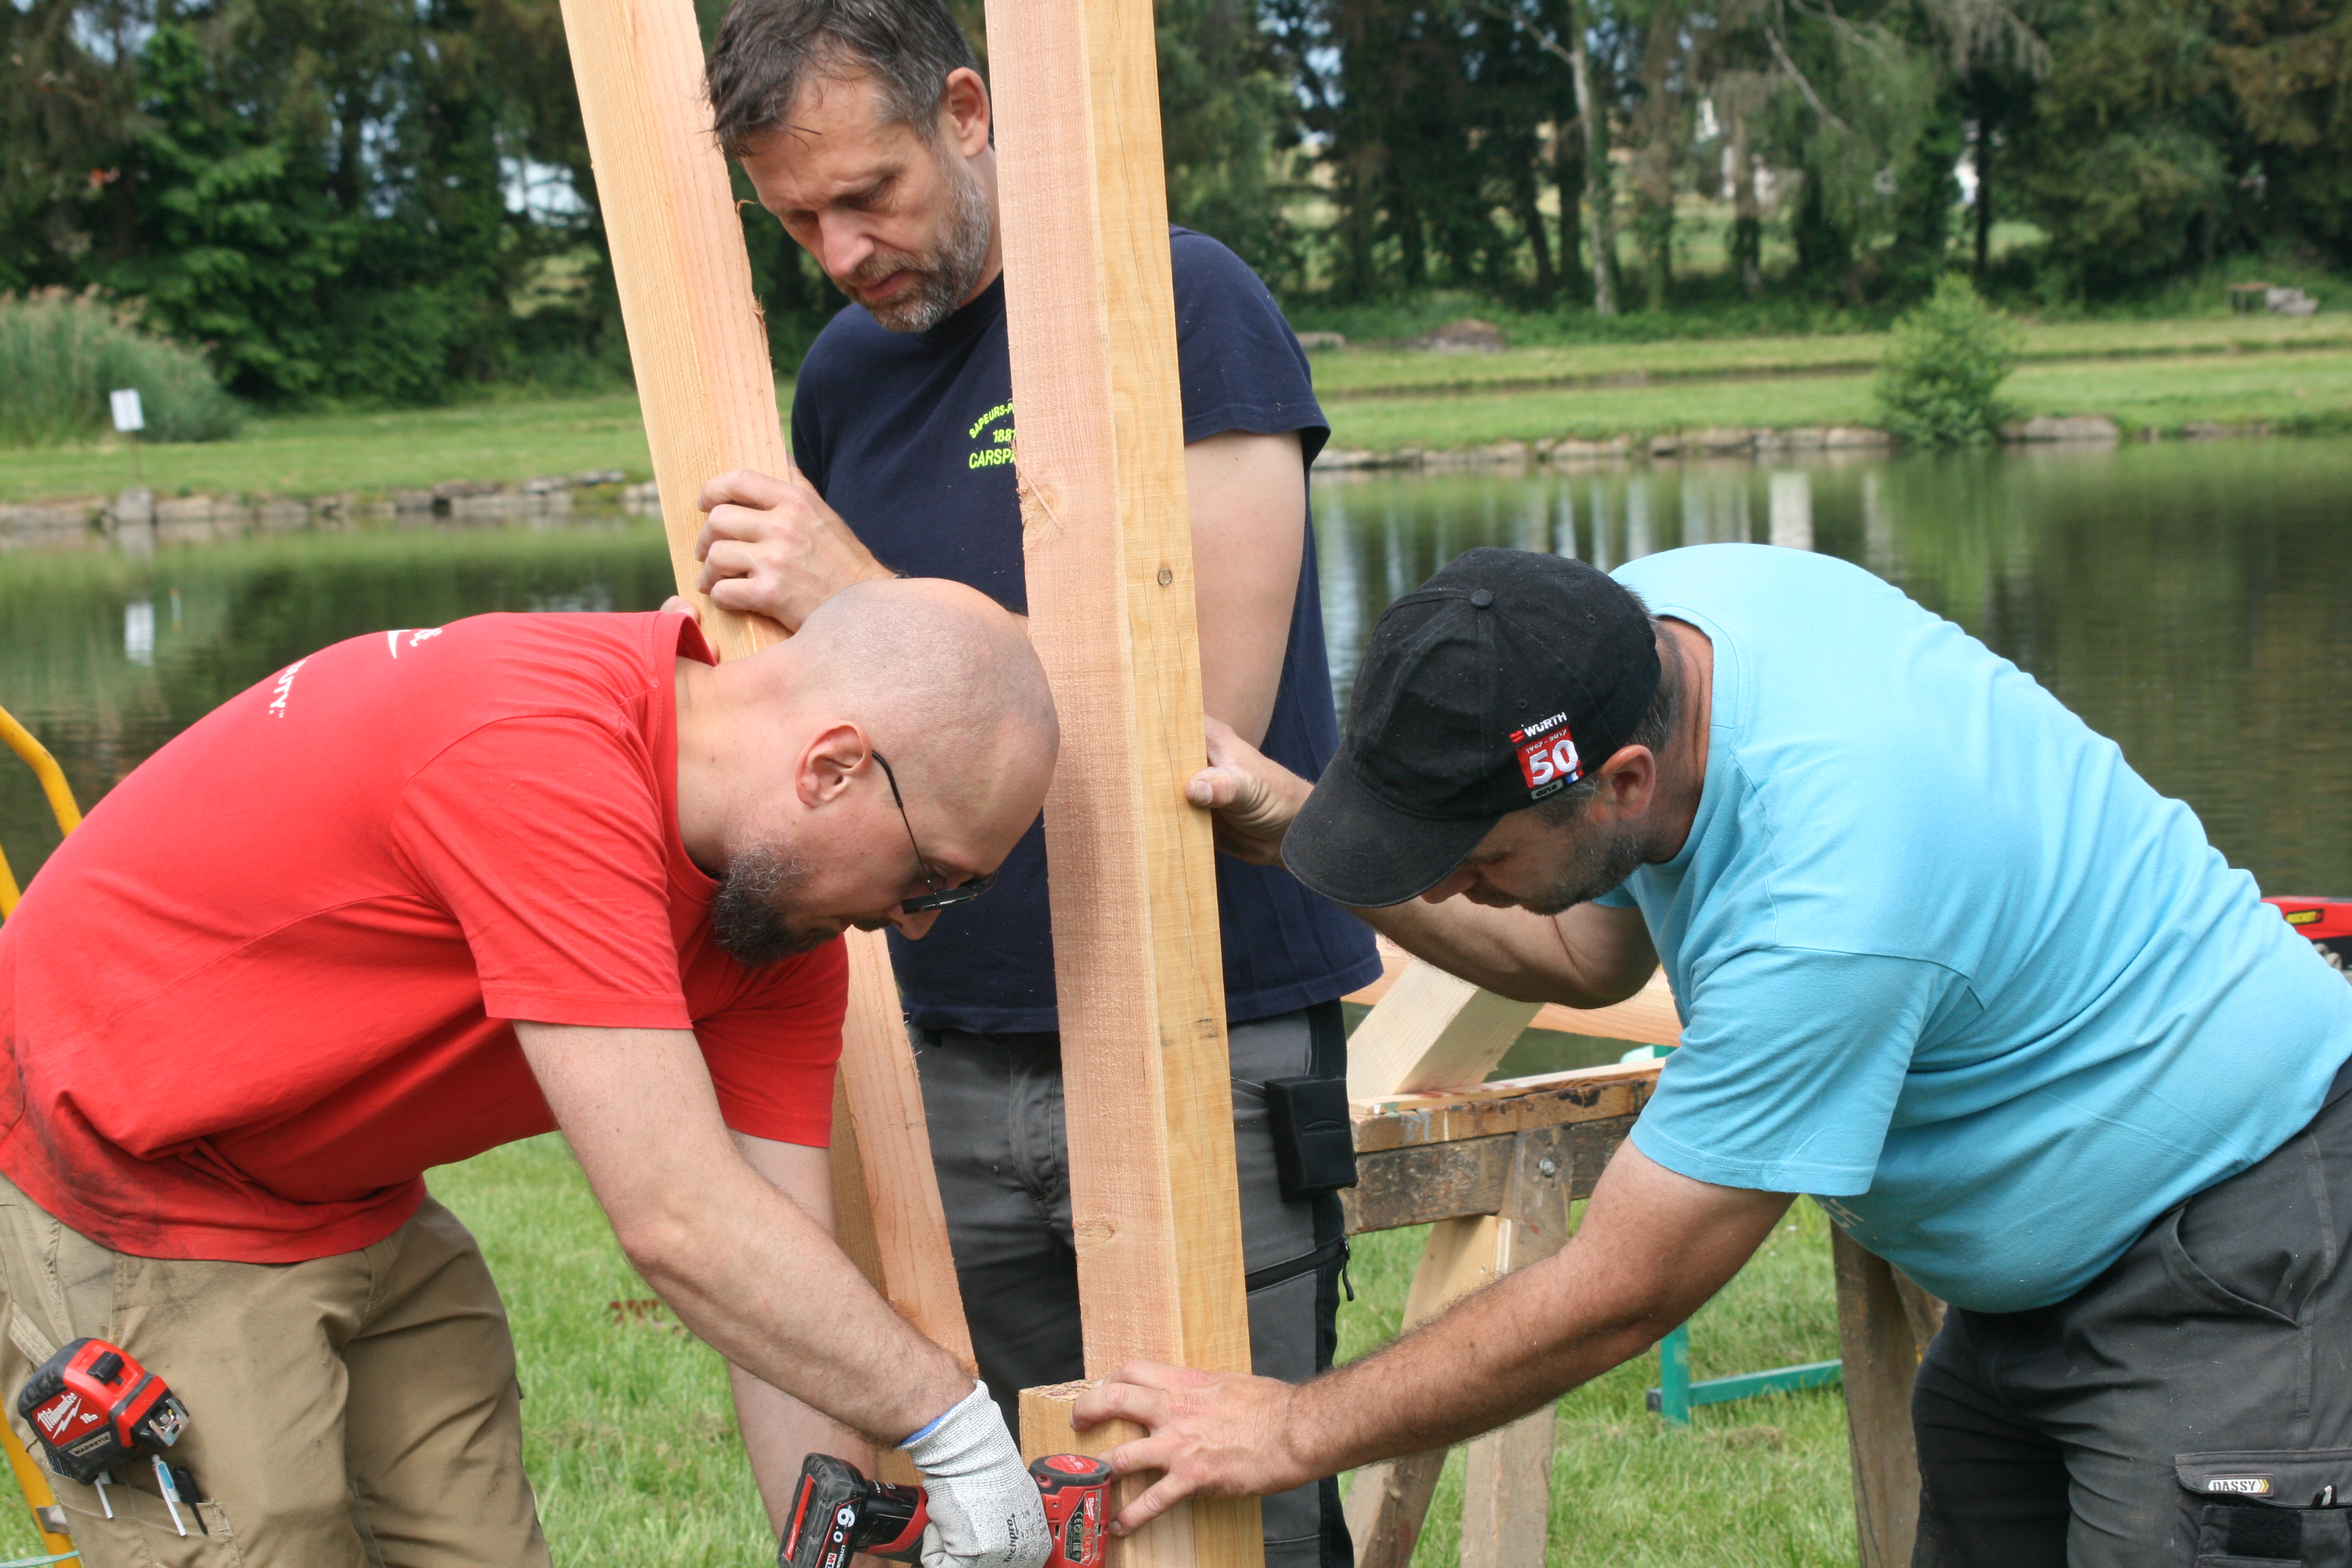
x=174 y=519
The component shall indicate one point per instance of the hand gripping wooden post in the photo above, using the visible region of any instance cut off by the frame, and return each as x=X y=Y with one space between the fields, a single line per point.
x=700 y=353
x=1100 y=452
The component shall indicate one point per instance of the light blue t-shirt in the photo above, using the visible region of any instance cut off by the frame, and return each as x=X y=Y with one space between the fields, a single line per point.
x=1943 y=959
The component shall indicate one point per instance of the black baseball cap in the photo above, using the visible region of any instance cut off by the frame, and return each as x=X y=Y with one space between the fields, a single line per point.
x=1492 y=686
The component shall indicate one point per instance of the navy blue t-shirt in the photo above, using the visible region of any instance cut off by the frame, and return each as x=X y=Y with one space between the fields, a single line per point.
x=910 y=437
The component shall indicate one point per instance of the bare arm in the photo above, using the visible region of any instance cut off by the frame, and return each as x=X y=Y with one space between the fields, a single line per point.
x=778 y=1431
x=1247 y=496
x=1653 y=1248
x=1587 y=957
x=742 y=1265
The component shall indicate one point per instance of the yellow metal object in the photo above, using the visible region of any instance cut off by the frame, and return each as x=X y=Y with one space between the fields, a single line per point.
x=48 y=1517
x=53 y=785
x=39 y=1495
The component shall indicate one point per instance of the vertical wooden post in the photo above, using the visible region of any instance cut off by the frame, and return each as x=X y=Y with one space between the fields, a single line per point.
x=1885 y=1322
x=1099 y=451
x=700 y=353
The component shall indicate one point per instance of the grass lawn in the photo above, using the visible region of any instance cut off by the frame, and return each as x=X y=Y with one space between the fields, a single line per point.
x=630 y=1439
x=325 y=454
x=2229 y=369
x=2312 y=388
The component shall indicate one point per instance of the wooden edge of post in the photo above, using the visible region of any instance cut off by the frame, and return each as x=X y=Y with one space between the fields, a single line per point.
x=1879 y=1342
x=699 y=349
x=1046 y=1428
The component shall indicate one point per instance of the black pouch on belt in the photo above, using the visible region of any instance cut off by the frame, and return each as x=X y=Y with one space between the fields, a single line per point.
x=2268 y=1510
x=1314 y=1143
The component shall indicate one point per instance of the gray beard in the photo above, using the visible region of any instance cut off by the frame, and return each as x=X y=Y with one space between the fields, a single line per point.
x=1602 y=864
x=752 y=915
x=944 y=278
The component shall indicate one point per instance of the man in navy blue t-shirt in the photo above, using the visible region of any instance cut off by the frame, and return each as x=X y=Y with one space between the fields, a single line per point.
x=865 y=128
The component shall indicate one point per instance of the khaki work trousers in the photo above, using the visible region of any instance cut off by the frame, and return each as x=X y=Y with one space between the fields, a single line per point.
x=356 y=1411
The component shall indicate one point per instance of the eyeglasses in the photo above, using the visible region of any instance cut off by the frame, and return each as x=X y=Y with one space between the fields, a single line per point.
x=938 y=897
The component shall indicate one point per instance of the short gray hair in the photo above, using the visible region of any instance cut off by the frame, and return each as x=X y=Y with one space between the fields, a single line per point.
x=1657 y=723
x=767 y=50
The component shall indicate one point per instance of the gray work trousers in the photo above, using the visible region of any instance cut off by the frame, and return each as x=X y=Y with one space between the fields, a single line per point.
x=994 y=1102
x=2192 y=1408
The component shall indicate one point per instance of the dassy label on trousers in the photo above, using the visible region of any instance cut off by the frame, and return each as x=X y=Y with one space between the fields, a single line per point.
x=2245 y=1486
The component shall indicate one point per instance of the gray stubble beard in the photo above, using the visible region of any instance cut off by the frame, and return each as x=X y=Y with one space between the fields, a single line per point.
x=945 y=277
x=751 y=914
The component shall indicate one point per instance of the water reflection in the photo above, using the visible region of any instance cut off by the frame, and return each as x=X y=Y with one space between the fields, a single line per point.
x=107 y=653
x=2192 y=602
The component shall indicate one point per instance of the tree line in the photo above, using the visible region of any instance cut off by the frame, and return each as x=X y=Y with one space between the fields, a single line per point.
x=386 y=199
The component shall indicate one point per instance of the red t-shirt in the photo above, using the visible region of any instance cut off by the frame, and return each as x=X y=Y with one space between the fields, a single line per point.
x=271 y=979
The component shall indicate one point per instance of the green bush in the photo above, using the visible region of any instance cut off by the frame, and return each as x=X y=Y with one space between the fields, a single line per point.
x=61 y=354
x=1939 y=385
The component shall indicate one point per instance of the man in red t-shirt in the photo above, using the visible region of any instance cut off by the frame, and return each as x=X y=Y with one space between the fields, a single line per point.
x=430 y=891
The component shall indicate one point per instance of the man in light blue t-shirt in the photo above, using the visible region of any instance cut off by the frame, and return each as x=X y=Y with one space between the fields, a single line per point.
x=1944 y=961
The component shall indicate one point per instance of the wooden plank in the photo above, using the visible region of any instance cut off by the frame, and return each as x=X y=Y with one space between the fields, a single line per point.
x=884 y=1098
x=1431 y=1182
x=1647 y=1017
x=1431 y=1030
x=1506 y=1105
x=1881 y=1353
x=1108 y=543
x=1388 y=1503
x=698 y=347
x=696 y=341
x=1046 y=1428
x=1506 y=1475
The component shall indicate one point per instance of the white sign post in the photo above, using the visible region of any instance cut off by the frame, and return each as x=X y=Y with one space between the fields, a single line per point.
x=128 y=416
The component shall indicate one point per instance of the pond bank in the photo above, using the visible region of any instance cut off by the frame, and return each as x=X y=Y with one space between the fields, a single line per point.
x=1381 y=416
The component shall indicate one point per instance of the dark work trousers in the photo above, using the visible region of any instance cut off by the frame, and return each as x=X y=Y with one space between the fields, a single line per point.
x=994 y=1102
x=2190 y=1406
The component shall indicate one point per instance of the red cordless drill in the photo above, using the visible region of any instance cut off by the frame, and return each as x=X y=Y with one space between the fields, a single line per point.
x=837 y=1512
x=93 y=1407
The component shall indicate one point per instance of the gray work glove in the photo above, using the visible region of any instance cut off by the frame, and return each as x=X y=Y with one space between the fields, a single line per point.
x=985 y=1511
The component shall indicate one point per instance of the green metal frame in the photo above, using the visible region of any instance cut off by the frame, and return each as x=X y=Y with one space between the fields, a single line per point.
x=1676 y=1395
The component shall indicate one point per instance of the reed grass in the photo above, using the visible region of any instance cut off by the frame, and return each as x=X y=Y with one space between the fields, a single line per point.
x=61 y=354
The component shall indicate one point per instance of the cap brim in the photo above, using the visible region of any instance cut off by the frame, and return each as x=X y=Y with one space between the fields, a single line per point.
x=1356 y=850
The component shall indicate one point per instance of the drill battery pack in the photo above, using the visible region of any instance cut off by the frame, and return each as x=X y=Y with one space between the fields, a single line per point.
x=94 y=1407
x=837 y=1512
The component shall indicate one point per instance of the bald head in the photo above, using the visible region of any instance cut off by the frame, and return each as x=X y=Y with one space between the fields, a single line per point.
x=946 y=682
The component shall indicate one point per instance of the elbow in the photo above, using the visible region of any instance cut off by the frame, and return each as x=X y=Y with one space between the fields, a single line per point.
x=660 y=1244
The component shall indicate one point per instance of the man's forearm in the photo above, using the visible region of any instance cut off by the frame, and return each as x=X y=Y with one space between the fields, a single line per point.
x=761 y=1283
x=1500 y=1354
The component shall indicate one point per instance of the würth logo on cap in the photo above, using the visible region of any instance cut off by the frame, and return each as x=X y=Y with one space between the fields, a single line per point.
x=1548 y=759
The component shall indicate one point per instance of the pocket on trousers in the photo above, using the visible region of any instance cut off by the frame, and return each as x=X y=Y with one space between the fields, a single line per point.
x=141 y=1520
x=2262 y=1508
x=2195 y=1281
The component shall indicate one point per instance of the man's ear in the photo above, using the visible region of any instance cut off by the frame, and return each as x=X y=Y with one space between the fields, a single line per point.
x=964 y=110
x=1629 y=779
x=829 y=765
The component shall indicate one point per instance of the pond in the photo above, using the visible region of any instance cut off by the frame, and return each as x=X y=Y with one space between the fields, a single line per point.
x=2192 y=601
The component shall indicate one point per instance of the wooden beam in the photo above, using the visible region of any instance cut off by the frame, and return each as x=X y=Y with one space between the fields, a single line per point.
x=1504 y=1105
x=1431 y=1030
x=1389 y=1501
x=1107 y=541
x=701 y=352
x=1506 y=1479
x=1882 y=1331
x=1646 y=1018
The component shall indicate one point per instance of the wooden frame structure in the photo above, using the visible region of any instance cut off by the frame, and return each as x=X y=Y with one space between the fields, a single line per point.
x=1106 y=538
